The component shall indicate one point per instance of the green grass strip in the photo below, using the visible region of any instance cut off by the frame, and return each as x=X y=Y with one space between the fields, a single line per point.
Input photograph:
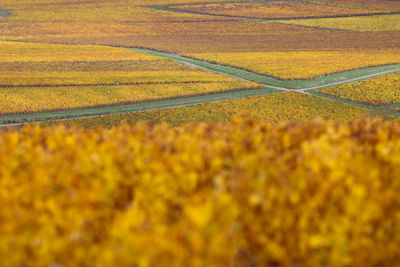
x=4 y=13
x=271 y=81
x=239 y=73
x=134 y=107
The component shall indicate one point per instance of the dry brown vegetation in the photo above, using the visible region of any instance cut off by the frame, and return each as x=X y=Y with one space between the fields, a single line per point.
x=288 y=9
x=128 y=23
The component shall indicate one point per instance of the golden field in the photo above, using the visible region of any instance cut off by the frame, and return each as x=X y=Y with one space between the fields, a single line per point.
x=291 y=106
x=287 y=179
x=130 y=23
x=372 y=23
x=228 y=194
x=33 y=100
x=302 y=64
x=54 y=78
x=49 y=77
x=283 y=9
x=37 y=52
x=383 y=90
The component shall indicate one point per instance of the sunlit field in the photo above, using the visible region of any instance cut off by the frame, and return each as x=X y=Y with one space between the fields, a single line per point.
x=199 y=133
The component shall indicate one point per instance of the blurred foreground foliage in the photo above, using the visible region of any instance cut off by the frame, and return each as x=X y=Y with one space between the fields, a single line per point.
x=237 y=193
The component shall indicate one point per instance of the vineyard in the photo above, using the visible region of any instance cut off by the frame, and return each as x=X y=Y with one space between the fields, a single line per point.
x=202 y=194
x=297 y=107
x=383 y=90
x=199 y=133
x=129 y=23
x=282 y=9
x=31 y=100
x=370 y=23
x=78 y=61
x=94 y=76
x=302 y=64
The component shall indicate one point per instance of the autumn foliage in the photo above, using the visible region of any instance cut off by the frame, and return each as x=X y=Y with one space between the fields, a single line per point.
x=242 y=193
x=48 y=77
x=302 y=64
x=287 y=9
x=363 y=24
x=377 y=91
x=290 y=106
